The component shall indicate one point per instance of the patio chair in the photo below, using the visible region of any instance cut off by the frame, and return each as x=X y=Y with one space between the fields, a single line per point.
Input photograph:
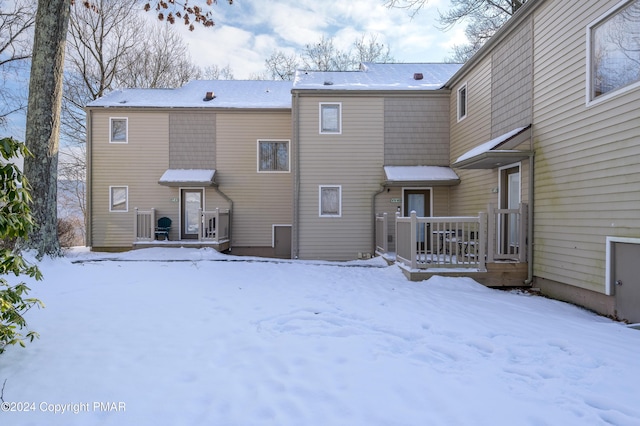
x=163 y=228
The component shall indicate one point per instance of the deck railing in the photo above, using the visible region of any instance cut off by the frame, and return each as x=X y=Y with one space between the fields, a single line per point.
x=214 y=225
x=382 y=239
x=144 y=225
x=441 y=242
x=507 y=234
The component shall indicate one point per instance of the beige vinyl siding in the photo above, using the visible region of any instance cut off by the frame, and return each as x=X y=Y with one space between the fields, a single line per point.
x=353 y=160
x=587 y=175
x=475 y=190
x=416 y=130
x=259 y=199
x=192 y=140
x=137 y=164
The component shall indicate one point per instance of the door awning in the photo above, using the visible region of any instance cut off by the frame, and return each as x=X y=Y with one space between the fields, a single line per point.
x=496 y=152
x=188 y=177
x=420 y=176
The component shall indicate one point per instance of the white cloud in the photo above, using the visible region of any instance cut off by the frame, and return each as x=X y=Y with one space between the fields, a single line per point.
x=248 y=31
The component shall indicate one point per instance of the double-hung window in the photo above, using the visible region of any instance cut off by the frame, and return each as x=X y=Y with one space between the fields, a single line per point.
x=118 y=130
x=462 y=102
x=613 y=42
x=118 y=198
x=273 y=156
x=331 y=118
x=330 y=201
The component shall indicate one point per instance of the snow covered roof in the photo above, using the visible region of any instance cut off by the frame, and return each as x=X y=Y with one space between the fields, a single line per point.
x=416 y=76
x=486 y=156
x=432 y=175
x=187 y=177
x=225 y=94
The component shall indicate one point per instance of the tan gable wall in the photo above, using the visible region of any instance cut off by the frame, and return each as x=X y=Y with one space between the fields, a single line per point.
x=354 y=160
x=260 y=200
x=137 y=164
x=587 y=174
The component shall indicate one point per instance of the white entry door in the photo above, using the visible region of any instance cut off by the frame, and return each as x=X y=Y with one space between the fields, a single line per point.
x=191 y=205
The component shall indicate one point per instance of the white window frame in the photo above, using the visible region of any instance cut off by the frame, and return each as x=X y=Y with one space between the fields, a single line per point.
x=287 y=141
x=590 y=99
x=339 y=188
x=460 y=116
x=320 y=112
x=126 y=130
x=126 y=199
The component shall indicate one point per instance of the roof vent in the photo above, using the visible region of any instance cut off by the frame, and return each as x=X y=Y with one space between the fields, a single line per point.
x=328 y=83
x=209 y=96
x=418 y=76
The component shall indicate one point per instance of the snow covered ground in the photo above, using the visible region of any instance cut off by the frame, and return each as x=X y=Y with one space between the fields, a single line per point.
x=183 y=337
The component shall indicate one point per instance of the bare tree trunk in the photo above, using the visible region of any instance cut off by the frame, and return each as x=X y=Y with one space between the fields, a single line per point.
x=43 y=121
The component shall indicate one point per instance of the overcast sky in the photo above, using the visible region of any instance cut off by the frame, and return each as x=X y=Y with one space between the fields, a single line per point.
x=248 y=31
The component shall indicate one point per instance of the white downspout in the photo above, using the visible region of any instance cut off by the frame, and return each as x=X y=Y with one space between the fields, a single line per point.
x=529 y=279
x=295 y=238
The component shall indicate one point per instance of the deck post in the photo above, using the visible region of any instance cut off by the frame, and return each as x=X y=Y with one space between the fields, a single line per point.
x=491 y=237
x=200 y=224
x=216 y=236
x=135 y=224
x=522 y=233
x=482 y=217
x=396 y=239
x=385 y=232
x=152 y=224
x=414 y=240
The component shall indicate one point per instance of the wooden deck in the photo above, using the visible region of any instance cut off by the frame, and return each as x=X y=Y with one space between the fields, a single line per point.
x=219 y=246
x=499 y=274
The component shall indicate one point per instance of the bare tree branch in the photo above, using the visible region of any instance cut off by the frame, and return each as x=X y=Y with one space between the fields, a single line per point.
x=484 y=18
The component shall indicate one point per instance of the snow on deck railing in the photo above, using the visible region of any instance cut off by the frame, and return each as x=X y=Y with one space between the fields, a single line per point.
x=441 y=242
